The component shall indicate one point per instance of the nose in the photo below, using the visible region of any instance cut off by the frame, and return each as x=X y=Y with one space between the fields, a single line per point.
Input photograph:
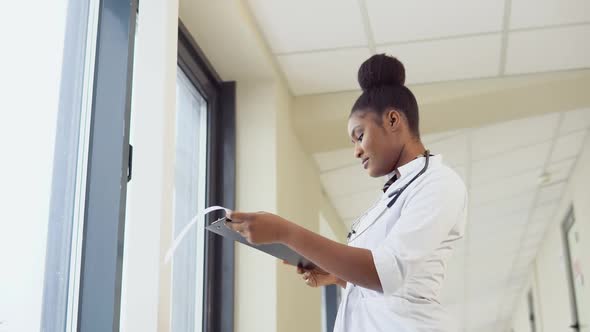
x=358 y=150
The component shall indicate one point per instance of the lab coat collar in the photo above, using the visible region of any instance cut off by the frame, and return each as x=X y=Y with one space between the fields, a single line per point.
x=410 y=168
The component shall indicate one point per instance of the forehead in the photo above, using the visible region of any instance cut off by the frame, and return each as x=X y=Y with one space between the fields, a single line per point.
x=360 y=118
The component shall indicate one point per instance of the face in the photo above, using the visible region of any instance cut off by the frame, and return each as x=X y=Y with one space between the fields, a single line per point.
x=377 y=144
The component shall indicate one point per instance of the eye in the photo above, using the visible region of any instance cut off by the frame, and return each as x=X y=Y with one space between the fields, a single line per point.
x=360 y=139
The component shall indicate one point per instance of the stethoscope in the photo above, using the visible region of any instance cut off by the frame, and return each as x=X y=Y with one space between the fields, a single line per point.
x=393 y=195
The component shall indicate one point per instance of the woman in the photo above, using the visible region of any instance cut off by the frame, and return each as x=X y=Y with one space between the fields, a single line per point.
x=395 y=262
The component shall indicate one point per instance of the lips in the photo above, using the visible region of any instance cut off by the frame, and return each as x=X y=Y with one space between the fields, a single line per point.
x=365 y=163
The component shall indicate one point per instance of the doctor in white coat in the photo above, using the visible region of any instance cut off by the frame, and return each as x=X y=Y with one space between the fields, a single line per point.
x=394 y=264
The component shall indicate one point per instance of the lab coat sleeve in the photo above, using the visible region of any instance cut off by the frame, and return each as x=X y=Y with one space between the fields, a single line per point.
x=433 y=209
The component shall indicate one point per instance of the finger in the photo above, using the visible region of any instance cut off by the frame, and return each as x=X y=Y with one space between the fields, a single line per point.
x=239 y=216
x=236 y=227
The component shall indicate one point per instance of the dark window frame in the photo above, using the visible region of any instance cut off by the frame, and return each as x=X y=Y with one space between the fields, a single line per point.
x=108 y=162
x=218 y=299
x=566 y=224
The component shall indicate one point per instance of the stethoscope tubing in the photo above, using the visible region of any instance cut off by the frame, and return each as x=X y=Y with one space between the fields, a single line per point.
x=396 y=194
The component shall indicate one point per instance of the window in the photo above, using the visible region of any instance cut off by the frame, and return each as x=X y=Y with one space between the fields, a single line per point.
x=189 y=199
x=205 y=91
x=64 y=182
x=30 y=109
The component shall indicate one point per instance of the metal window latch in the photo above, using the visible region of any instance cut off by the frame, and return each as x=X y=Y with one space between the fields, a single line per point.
x=130 y=163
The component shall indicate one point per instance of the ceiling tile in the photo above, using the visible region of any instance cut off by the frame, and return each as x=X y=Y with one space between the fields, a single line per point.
x=575 y=120
x=461 y=171
x=292 y=26
x=510 y=163
x=538 y=13
x=482 y=310
x=568 y=146
x=453 y=149
x=550 y=193
x=503 y=207
x=349 y=180
x=559 y=171
x=397 y=20
x=435 y=137
x=543 y=213
x=528 y=51
x=526 y=182
x=335 y=159
x=479 y=219
x=321 y=72
x=353 y=206
x=506 y=136
x=449 y=59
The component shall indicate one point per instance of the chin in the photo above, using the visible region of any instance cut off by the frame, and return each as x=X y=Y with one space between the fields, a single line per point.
x=372 y=173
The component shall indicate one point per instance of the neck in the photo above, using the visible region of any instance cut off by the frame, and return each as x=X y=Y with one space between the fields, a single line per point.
x=411 y=150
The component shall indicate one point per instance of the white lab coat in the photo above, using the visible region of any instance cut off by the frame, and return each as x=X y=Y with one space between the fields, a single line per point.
x=411 y=243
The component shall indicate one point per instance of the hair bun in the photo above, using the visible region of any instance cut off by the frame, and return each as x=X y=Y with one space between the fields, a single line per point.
x=381 y=70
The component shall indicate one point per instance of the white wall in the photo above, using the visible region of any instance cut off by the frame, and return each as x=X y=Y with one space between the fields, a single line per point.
x=550 y=273
x=29 y=95
x=145 y=294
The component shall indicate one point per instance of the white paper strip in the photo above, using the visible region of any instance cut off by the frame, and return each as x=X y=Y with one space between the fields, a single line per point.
x=186 y=228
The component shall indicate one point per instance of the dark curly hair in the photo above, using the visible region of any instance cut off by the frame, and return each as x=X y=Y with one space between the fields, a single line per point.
x=382 y=79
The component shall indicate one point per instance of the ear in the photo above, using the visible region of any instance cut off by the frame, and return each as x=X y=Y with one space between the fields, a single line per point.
x=392 y=118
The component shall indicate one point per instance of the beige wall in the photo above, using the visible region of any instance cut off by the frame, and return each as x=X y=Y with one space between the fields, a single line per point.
x=274 y=174
x=256 y=189
x=299 y=194
x=550 y=272
x=321 y=119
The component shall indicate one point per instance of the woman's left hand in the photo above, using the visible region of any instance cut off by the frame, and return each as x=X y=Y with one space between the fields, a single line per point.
x=259 y=227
